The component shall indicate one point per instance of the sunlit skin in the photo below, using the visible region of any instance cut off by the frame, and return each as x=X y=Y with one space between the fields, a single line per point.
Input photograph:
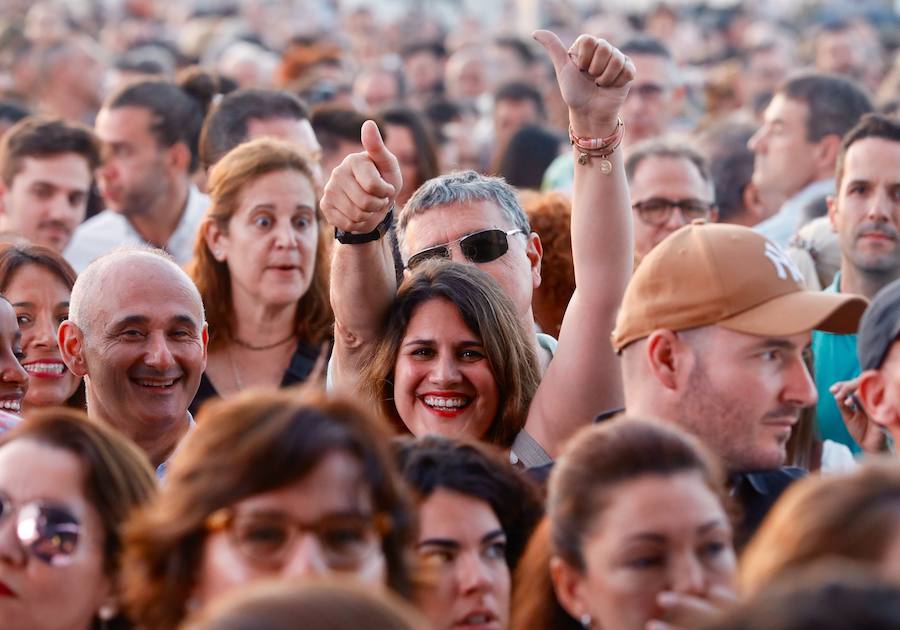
x=41 y=301
x=443 y=382
x=47 y=199
x=30 y=471
x=334 y=486
x=657 y=535
x=463 y=550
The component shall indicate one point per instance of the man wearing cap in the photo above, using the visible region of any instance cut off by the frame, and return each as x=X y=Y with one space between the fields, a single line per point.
x=878 y=389
x=865 y=215
x=712 y=331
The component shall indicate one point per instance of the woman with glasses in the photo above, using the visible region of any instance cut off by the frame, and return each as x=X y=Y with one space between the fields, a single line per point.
x=67 y=486
x=261 y=266
x=475 y=516
x=269 y=484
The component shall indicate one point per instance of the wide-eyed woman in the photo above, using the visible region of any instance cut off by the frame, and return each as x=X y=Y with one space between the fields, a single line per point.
x=475 y=516
x=269 y=484
x=853 y=517
x=38 y=282
x=638 y=532
x=262 y=270
x=66 y=487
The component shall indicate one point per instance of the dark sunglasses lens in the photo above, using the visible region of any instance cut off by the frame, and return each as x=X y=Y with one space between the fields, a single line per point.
x=427 y=254
x=484 y=246
x=50 y=533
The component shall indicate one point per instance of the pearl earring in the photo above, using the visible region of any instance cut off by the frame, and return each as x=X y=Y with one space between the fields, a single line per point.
x=586 y=620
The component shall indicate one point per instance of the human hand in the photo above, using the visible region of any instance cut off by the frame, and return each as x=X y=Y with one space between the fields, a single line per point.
x=362 y=188
x=593 y=77
x=680 y=610
x=860 y=426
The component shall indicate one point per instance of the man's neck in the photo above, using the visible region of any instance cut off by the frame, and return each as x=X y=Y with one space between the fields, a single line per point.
x=158 y=445
x=864 y=283
x=157 y=225
x=543 y=355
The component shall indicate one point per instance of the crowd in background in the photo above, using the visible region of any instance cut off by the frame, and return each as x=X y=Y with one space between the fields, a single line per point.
x=328 y=314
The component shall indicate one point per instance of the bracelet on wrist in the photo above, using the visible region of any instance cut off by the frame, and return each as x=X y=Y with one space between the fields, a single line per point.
x=598 y=147
x=351 y=238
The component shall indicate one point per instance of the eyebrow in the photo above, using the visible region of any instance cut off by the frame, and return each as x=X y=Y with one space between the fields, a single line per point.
x=654 y=537
x=32 y=304
x=448 y=543
x=144 y=320
x=468 y=343
x=782 y=344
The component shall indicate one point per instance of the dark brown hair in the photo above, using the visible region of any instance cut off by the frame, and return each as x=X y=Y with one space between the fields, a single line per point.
x=487 y=312
x=870 y=126
x=253 y=443
x=227 y=181
x=42 y=137
x=596 y=461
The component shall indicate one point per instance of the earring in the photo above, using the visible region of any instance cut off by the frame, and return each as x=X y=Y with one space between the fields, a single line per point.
x=107 y=612
x=586 y=620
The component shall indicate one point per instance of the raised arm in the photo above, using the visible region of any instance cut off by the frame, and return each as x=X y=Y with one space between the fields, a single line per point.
x=584 y=378
x=357 y=197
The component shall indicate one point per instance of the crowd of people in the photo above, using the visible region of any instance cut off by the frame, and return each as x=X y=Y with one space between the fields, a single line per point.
x=314 y=318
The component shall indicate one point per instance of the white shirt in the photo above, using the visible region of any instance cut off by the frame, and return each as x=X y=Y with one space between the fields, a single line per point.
x=781 y=226
x=109 y=229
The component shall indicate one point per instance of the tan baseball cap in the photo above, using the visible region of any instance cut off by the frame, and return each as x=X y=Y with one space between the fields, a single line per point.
x=728 y=275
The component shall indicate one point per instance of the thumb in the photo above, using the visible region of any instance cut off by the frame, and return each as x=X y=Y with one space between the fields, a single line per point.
x=559 y=56
x=374 y=145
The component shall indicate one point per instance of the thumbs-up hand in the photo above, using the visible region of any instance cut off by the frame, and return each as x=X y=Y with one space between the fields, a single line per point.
x=362 y=188
x=593 y=77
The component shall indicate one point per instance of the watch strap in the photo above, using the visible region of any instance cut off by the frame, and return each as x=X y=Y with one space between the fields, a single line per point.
x=351 y=238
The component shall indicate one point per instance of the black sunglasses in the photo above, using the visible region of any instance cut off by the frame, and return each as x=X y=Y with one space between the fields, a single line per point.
x=48 y=532
x=480 y=247
x=658 y=210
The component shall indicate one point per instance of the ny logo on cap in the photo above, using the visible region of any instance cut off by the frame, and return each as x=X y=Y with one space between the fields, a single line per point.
x=783 y=264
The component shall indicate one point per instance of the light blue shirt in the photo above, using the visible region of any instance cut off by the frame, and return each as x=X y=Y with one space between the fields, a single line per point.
x=781 y=226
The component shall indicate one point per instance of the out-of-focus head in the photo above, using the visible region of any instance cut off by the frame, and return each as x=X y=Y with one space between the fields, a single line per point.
x=550 y=216
x=799 y=139
x=516 y=104
x=137 y=333
x=852 y=517
x=454 y=359
x=13 y=378
x=67 y=485
x=37 y=281
x=253 y=113
x=466 y=75
x=423 y=67
x=448 y=208
x=731 y=171
x=670 y=186
x=46 y=169
x=655 y=95
x=262 y=240
x=338 y=130
x=712 y=330
x=635 y=509
x=879 y=359
x=286 y=604
x=377 y=87
x=409 y=137
x=274 y=483
x=475 y=515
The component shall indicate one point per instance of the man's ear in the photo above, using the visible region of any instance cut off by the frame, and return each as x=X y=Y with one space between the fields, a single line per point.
x=535 y=252
x=825 y=154
x=71 y=346
x=568 y=583
x=3 y=194
x=667 y=358
x=833 y=218
x=872 y=394
x=215 y=239
x=179 y=157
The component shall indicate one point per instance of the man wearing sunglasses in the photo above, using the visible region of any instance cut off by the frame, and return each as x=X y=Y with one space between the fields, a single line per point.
x=477 y=220
x=670 y=187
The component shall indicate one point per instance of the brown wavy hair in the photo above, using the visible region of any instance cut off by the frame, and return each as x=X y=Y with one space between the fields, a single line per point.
x=253 y=443
x=488 y=313
x=227 y=180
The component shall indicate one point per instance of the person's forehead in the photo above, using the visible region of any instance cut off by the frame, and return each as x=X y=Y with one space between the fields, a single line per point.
x=140 y=288
x=298 y=132
x=872 y=159
x=653 y=69
x=128 y=122
x=786 y=110
x=67 y=169
x=674 y=177
x=442 y=224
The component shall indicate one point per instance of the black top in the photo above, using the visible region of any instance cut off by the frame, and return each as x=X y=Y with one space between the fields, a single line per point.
x=302 y=363
x=756 y=493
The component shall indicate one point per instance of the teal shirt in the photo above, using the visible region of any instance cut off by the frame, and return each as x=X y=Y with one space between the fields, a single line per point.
x=834 y=359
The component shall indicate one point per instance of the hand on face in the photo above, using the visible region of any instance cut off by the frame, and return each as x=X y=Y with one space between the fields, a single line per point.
x=363 y=187
x=593 y=78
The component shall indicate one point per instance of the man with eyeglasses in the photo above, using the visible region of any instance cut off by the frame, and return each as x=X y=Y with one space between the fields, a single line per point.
x=670 y=187
x=477 y=220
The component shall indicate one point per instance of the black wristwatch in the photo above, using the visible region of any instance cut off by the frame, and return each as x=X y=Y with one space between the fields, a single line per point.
x=350 y=238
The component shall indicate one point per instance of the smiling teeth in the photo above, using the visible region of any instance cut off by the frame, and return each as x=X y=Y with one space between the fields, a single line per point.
x=11 y=405
x=435 y=401
x=154 y=384
x=475 y=619
x=55 y=368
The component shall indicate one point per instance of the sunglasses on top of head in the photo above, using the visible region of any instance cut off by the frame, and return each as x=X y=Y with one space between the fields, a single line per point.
x=479 y=247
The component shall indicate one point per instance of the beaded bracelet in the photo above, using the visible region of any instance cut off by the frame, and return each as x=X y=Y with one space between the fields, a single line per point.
x=598 y=147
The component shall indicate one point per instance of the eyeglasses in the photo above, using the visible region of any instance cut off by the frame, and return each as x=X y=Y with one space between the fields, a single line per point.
x=648 y=91
x=48 y=532
x=479 y=247
x=266 y=539
x=658 y=210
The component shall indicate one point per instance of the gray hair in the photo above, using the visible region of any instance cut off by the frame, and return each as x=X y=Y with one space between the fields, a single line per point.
x=463 y=187
x=89 y=284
